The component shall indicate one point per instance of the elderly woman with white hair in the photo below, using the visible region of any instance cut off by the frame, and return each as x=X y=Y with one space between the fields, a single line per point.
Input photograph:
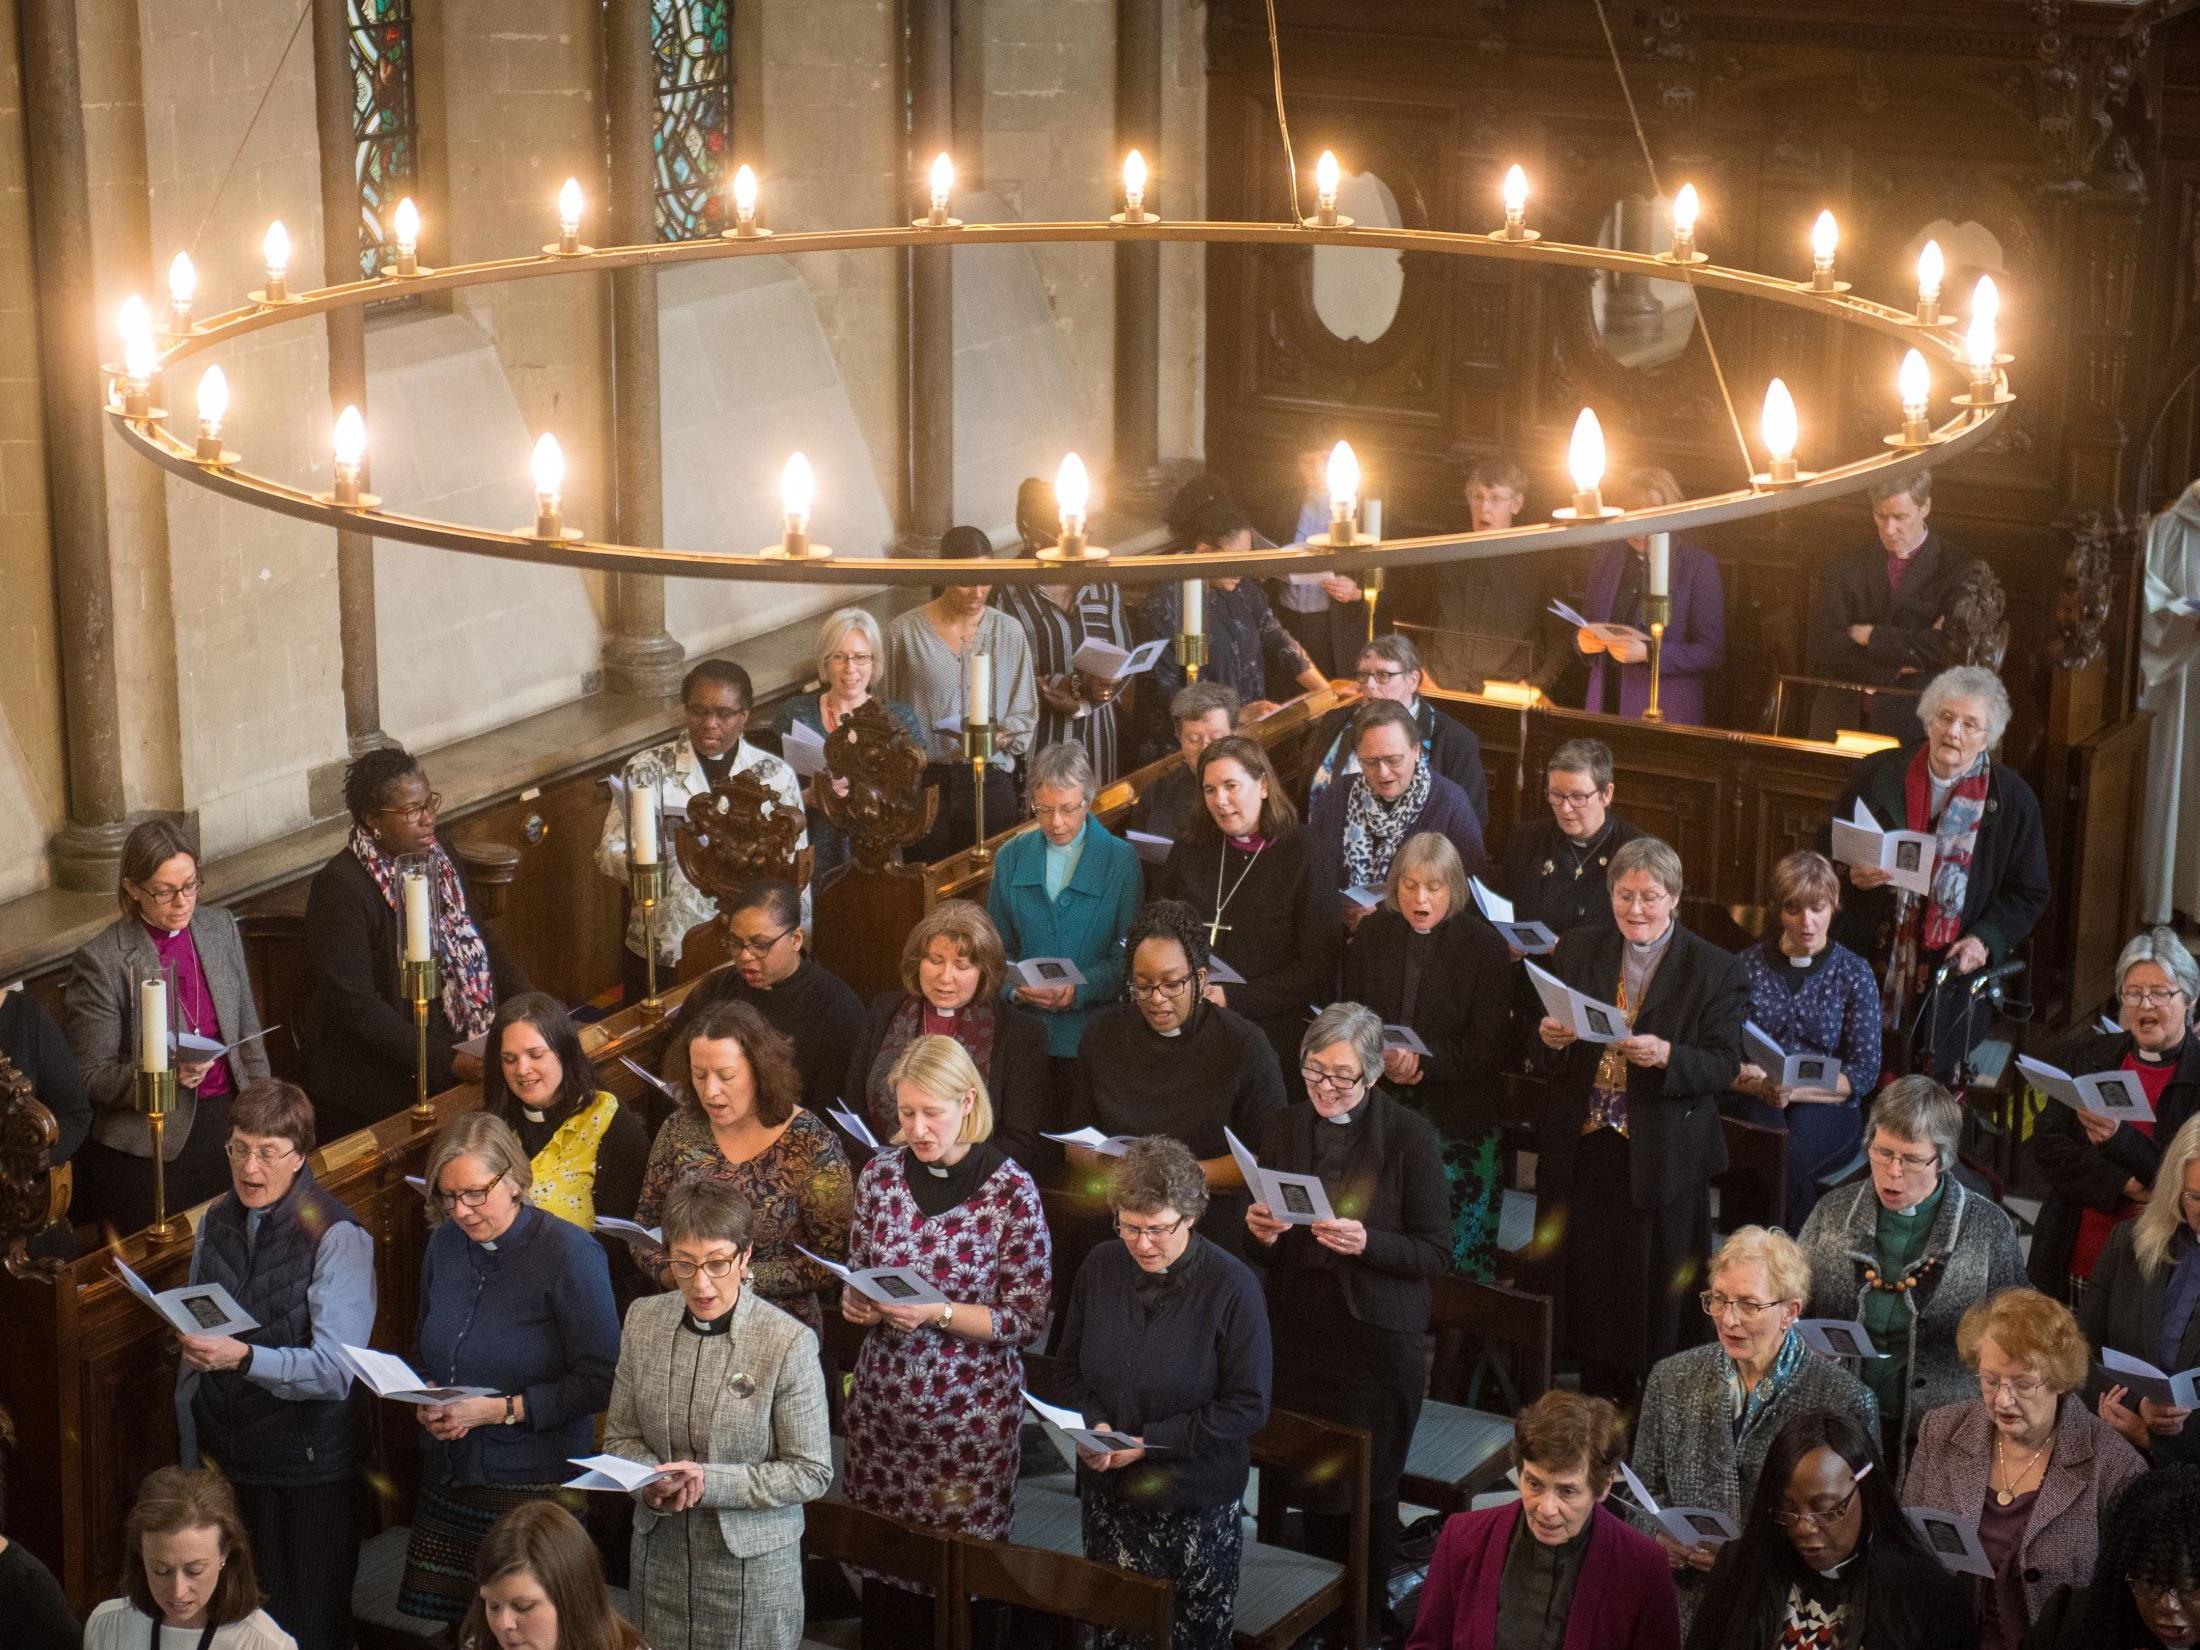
x=851 y=652
x=1906 y=1253
x=2098 y=1169
x=1349 y=1297
x=2144 y=1302
x=1709 y=1414
x=1989 y=880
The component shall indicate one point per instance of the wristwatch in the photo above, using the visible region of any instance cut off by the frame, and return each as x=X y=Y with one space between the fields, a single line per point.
x=947 y=1314
x=511 y=1409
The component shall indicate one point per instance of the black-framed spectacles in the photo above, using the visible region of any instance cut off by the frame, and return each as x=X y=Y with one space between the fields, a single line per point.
x=716 y=713
x=1149 y=1234
x=414 y=813
x=1336 y=1082
x=473 y=1197
x=715 y=1267
x=760 y=946
x=1788 y=1517
x=1159 y=988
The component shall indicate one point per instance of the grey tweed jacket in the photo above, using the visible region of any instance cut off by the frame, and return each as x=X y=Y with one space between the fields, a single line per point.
x=1970 y=1253
x=1686 y=1453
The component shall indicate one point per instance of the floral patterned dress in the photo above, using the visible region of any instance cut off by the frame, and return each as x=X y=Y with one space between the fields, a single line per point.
x=934 y=1420
x=799 y=1188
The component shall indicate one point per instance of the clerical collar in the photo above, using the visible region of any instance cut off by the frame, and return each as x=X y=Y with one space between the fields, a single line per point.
x=532 y=1115
x=1247 y=844
x=161 y=933
x=2168 y=1056
x=1345 y=1119
x=1646 y=948
x=720 y=1325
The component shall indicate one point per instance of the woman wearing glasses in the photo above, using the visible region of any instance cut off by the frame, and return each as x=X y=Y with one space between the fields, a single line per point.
x=849 y=654
x=586 y=1148
x=359 y=1047
x=1826 y=1558
x=740 y=1123
x=1171 y=1063
x=952 y=969
x=518 y=1302
x=1359 y=823
x=1348 y=1297
x=1907 y=1253
x=2024 y=1457
x=1555 y=868
x=1630 y=1132
x=1390 y=668
x=269 y=1403
x=936 y=1410
x=2142 y=1303
x=723 y=1393
x=1710 y=1414
x=162 y=927
x=2099 y=1169
x=1167 y=1345
x=2146 y=1583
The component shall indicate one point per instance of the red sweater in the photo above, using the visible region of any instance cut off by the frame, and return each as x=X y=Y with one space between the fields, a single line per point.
x=1623 y=1596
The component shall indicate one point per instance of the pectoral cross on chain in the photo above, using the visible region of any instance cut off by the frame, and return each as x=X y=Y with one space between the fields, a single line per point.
x=1215 y=928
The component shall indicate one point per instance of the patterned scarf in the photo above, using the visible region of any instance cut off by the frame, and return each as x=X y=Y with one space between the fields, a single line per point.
x=1373 y=828
x=469 y=989
x=975 y=1025
x=1745 y=1407
x=1927 y=927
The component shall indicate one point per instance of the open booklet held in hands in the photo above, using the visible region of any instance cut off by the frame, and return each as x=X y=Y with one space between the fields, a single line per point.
x=192 y=1049
x=887 y=1285
x=1092 y=1440
x=632 y=1231
x=853 y=1126
x=613 y=1472
x=803 y=749
x=1953 y=1539
x=1603 y=632
x=1107 y=1145
x=1690 y=1526
x=389 y=1376
x=2114 y=1094
x=1111 y=663
x=2143 y=1380
x=1530 y=939
x=194 y=1309
x=1041 y=972
x=1584 y=1016
x=1294 y=1199
x=1906 y=856
x=671 y=1091
x=1808 y=1077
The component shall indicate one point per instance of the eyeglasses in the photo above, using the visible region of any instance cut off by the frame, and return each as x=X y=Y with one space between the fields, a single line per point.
x=473 y=1197
x=1948 y=723
x=1571 y=800
x=1334 y=1081
x=1901 y=1162
x=1716 y=1305
x=2138 y=996
x=836 y=660
x=1642 y=902
x=1789 y=1517
x=760 y=945
x=2021 y=1387
x=715 y=1267
x=717 y=713
x=1148 y=1234
x=1150 y=989
x=265 y=1156
x=1388 y=764
x=416 y=812
x=2185 y=1595
x=161 y=893
x=1380 y=678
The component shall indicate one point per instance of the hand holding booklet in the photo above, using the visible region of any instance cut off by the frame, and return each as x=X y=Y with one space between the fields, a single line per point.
x=1837 y=1337
x=1111 y=663
x=887 y=1285
x=194 y=1309
x=1092 y=1440
x=1906 y=856
x=1041 y=972
x=1953 y=1539
x=389 y=1376
x=1294 y=1199
x=1811 y=1077
x=1605 y=633
x=2179 y=1391
x=613 y=1472
x=803 y=747
x=1588 y=1019
x=192 y=1047
x=1530 y=939
x=1690 y=1526
x=2115 y=1094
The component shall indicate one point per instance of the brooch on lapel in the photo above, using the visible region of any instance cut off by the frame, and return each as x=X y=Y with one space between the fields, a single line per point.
x=742 y=1383
x=1549 y=866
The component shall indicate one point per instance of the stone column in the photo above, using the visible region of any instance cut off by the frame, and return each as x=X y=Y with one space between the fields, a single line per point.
x=931 y=72
x=88 y=849
x=640 y=656
x=347 y=360
x=1138 y=480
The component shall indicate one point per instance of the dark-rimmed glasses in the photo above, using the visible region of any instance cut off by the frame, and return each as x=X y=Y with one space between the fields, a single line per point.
x=413 y=813
x=1151 y=989
x=1788 y=1517
x=266 y=1156
x=715 y=1267
x=760 y=946
x=472 y=1197
x=1148 y=1234
x=1336 y=1082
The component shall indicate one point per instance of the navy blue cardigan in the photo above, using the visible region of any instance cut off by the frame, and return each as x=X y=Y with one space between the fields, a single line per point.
x=532 y=1316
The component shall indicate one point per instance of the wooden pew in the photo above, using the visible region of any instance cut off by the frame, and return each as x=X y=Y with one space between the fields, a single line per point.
x=89 y=1374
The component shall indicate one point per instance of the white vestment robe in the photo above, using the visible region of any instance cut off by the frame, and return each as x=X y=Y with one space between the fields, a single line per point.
x=2169 y=682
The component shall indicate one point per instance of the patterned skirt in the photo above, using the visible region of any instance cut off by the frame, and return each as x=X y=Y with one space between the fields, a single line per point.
x=447 y=1531
x=1200 y=1551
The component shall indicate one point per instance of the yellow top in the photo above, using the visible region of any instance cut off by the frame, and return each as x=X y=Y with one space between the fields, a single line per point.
x=565 y=1169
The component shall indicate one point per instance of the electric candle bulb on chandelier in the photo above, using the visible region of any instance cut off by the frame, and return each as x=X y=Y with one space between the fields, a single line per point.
x=745 y=226
x=570 y=205
x=548 y=469
x=1328 y=179
x=1515 y=195
x=183 y=287
x=1343 y=477
x=942 y=187
x=1686 y=209
x=1073 y=499
x=1825 y=236
x=1779 y=427
x=1932 y=268
x=140 y=358
x=405 y=230
x=1134 y=191
x=1585 y=465
x=1914 y=384
x=275 y=254
x=213 y=405
x=797 y=493
x=350 y=444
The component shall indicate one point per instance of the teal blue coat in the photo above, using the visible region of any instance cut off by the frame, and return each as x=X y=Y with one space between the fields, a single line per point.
x=1086 y=924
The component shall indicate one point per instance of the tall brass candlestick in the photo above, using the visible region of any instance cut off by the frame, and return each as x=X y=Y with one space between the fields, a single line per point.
x=647 y=884
x=156 y=1098
x=978 y=749
x=1659 y=611
x=420 y=982
x=1191 y=653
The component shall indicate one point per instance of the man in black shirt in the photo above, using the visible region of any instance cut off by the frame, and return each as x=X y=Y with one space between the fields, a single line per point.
x=1881 y=615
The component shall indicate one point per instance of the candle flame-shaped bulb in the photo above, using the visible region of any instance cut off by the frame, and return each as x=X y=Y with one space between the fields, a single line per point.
x=1825 y=236
x=1780 y=432
x=1979 y=348
x=1986 y=299
x=1585 y=453
x=1326 y=179
x=139 y=357
x=350 y=440
x=1516 y=192
x=1344 y=477
x=1685 y=209
x=1932 y=268
x=548 y=466
x=744 y=193
x=183 y=283
x=275 y=250
x=1914 y=382
x=943 y=183
x=1072 y=493
x=569 y=209
x=797 y=492
x=1134 y=183
x=405 y=225
x=133 y=321
x=213 y=401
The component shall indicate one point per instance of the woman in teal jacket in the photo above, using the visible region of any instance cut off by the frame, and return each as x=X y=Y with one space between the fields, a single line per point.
x=1068 y=889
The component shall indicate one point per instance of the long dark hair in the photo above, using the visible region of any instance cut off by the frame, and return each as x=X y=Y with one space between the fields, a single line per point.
x=1743 y=1606
x=545 y=1540
x=547 y=1015
x=2152 y=1531
x=1277 y=815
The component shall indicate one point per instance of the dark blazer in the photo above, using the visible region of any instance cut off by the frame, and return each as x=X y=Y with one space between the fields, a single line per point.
x=2081 y=1175
x=1394 y=1187
x=359 y=1041
x=1697 y=1002
x=1695 y=640
x=1855 y=592
x=1283 y=930
x=2123 y=1309
x=1623 y=1593
x=1446 y=812
x=1018 y=1080
x=2008 y=889
x=36 y=1048
x=1447 y=744
x=1555 y=897
x=1462 y=1011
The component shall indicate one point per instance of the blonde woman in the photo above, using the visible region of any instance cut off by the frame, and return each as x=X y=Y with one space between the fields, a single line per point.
x=2141 y=1302
x=936 y=1411
x=517 y=1301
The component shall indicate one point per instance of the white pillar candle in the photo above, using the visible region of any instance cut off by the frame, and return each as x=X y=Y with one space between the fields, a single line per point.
x=416 y=917
x=641 y=830
x=1195 y=608
x=1661 y=561
x=980 y=710
x=153 y=1025
x=1371 y=517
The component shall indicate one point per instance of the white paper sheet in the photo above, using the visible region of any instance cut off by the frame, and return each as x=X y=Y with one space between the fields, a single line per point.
x=206 y=1048
x=1108 y=1145
x=389 y=1376
x=1294 y=1199
x=1073 y=1424
x=1405 y=1037
x=1368 y=897
x=671 y=1091
x=1111 y=663
x=194 y=1308
x=1906 y=856
x=853 y=1126
x=1221 y=973
x=1590 y=1020
x=613 y=1472
x=2179 y=1391
x=1812 y=1075
x=633 y=1231
x=1603 y=632
x=1530 y=939
x=804 y=749
x=1689 y=1526
x=1154 y=850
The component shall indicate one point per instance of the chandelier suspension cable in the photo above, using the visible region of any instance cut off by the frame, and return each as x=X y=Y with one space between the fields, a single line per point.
x=1275 y=66
x=1695 y=299
x=258 y=109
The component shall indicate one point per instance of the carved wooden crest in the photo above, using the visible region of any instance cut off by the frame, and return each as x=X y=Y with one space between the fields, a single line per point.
x=741 y=831
x=33 y=1193
x=2089 y=575
x=1978 y=626
x=887 y=806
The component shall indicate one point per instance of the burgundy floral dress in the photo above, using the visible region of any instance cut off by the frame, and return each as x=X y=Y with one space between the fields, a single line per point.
x=934 y=1419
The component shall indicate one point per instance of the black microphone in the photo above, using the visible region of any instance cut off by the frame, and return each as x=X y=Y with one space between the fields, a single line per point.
x=1987 y=978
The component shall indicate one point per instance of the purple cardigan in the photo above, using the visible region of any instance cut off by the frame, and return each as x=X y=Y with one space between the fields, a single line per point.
x=1695 y=642
x=1623 y=1596
x=1447 y=811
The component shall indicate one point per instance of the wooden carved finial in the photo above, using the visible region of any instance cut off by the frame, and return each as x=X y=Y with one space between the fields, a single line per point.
x=33 y=1193
x=738 y=832
x=887 y=806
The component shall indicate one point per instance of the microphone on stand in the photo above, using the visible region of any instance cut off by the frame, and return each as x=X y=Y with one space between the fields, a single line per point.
x=1989 y=979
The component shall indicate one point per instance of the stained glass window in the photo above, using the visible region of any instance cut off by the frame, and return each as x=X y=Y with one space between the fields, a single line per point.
x=694 y=116
x=384 y=126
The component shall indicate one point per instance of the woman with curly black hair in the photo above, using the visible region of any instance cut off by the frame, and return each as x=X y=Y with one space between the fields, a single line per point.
x=359 y=1043
x=1170 y=1062
x=2145 y=1591
x=1826 y=1559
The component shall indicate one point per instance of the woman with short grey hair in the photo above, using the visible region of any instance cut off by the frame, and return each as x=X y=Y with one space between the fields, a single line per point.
x=2099 y=1169
x=1555 y=863
x=1906 y=1252
x=1984 y=879
x=1349 y=1296
x=1064 y=766
x=851 y=659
